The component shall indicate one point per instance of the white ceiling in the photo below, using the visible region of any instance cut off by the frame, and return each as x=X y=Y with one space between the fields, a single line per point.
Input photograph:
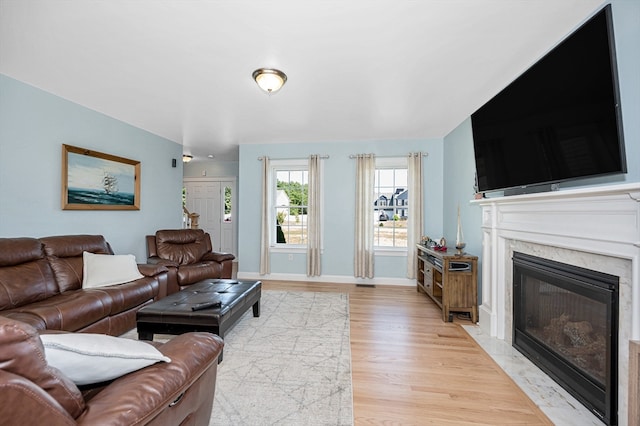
x=358 y=69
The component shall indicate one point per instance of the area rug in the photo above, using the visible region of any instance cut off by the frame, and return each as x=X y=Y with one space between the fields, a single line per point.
x=290 y=366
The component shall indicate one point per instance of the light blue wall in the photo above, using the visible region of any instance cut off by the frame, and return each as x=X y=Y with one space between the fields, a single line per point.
x=33 y=126
x=626 y=23
x=339 y=189
x=459 y=178
x=211 y=168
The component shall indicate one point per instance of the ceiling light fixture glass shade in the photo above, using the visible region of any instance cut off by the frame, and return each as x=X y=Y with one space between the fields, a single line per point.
x=269 y=79
x=186 y=158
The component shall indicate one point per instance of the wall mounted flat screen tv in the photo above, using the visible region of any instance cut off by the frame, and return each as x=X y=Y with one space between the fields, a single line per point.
x=560 y=120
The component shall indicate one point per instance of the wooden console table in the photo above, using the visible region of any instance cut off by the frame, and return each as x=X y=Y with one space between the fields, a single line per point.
x=450 y=279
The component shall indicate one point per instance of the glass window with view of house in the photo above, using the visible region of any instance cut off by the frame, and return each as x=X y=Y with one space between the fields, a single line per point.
x=290 y=206
x=390 y=206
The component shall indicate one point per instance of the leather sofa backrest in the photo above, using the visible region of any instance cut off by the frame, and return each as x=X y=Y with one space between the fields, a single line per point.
x=22 y=354
x=183 y=246
x=25 y=275
x=65 y=256
x=152 y=250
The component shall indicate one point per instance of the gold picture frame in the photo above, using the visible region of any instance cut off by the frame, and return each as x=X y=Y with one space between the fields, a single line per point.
x=94 y=180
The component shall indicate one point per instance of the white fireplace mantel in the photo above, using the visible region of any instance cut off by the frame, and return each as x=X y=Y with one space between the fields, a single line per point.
x=601 y=220
x=596 y=227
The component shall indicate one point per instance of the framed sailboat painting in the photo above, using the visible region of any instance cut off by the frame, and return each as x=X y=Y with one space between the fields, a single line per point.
x=97 y=181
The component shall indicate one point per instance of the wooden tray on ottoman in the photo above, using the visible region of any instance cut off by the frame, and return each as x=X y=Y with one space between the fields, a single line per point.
x=187 y=310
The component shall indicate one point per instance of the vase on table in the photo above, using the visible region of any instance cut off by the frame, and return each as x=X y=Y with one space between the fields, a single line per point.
x=460 y=244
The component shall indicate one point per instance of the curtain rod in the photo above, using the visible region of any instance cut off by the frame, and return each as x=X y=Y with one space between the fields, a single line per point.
x=424 y=154
x=323 y=157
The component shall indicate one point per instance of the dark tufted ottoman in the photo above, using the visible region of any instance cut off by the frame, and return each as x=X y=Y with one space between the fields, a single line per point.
x=187 y=310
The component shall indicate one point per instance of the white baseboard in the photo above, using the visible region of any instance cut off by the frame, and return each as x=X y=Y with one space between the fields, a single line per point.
x=332 y=279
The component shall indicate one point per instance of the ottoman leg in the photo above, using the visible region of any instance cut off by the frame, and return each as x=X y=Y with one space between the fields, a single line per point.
x=256 y=309
x=145 y=336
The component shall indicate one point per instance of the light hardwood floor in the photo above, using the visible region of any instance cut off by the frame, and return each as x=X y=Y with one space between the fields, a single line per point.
x=411 y=368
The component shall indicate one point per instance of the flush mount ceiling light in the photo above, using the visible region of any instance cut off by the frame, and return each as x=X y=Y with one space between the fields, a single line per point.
x=269 y=79
x=186 y=158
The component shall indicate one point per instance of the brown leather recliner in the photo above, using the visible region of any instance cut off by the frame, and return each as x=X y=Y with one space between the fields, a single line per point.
x=188 y=255
x=177 y=393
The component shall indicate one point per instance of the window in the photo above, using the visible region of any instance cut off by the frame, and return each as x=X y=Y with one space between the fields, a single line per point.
x=390 y=207
x=227 y=203
x=290 y=187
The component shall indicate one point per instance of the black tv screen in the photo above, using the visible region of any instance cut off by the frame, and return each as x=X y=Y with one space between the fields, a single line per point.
x=560 y=120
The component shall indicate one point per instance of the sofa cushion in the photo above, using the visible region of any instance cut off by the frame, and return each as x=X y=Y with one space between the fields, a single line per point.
x=71 y=310
x=100 y=270
x=93 y=358
x=25 y=274
x=190 y=274
x=183 y=246
x=129 y=295
x=65 y=256
x=23 y=354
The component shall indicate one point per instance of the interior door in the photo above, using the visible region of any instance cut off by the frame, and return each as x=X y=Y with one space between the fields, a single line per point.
x=214 y=200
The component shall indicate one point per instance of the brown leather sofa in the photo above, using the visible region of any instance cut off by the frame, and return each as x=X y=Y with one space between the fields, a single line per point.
x=177 y=393
x=188 y=255
x=41 y=284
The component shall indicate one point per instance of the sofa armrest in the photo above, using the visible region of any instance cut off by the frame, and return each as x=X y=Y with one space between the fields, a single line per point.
x=151 y=270
x=218 y=257
x=32 y=319
x=160 y=273
x=138 y=397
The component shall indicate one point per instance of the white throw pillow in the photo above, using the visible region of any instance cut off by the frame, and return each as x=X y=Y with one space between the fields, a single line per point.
x=105 y=269
x=93 y=358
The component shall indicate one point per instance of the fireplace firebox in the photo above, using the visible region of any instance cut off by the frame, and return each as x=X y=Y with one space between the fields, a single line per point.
x=566 y=322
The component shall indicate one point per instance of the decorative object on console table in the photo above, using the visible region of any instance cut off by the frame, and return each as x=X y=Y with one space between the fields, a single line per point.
x=441 y=246
x=460 y=244
x=93 y=180
x=450 y=280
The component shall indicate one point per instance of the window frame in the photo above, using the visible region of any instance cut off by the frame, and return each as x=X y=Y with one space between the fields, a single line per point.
x=400 y=162
x=285 y=165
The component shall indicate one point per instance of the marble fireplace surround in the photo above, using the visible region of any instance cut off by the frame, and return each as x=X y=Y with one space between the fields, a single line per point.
x=596 y=228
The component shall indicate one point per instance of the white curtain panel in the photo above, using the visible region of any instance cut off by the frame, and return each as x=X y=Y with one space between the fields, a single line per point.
x=363 y=261
x=313 y=218
x=416 y=210
x=265 y=259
